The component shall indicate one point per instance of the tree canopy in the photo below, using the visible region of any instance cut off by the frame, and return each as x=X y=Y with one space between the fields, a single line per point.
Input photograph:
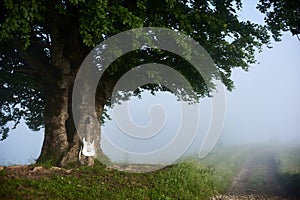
x=43 y=44
x=281 y=16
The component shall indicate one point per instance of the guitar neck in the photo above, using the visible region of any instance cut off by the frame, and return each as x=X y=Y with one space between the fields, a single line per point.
x=88 y=130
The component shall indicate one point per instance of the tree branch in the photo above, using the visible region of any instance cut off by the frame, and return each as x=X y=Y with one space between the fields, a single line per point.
x=33 y=56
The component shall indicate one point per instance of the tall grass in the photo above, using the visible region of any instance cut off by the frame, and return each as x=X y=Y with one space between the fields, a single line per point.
x=288 y=159
x=227 y=162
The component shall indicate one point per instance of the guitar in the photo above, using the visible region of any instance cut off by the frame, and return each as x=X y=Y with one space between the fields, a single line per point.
x=88 y=148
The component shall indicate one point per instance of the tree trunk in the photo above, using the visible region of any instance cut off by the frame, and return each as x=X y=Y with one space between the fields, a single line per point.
x=56 y=113
x=62 y=144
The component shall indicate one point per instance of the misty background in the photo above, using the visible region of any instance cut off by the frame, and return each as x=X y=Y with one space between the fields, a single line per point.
x=264 y=107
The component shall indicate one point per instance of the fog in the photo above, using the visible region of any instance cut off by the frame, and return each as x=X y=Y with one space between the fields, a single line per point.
x=263 y=108
x=265 y=105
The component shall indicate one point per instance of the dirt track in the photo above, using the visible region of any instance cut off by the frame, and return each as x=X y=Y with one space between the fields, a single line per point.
x=259 y=176
x=258 y=179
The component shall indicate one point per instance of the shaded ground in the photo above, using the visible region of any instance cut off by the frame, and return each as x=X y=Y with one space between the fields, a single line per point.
x=37 y=172
x=31 y=172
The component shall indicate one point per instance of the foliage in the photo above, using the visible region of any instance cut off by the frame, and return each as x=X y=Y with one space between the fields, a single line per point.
x=20 y=96
x=281 y=15
x=43 y=44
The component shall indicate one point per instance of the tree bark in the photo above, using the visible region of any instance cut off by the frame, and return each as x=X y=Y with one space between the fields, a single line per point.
x=56 y=113
x=62 y=143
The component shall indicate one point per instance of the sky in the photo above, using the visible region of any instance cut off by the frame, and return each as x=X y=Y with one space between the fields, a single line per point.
x=264 y=106
x=265 y=102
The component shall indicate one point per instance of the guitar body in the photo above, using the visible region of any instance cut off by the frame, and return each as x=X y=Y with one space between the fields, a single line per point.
x=88 y=148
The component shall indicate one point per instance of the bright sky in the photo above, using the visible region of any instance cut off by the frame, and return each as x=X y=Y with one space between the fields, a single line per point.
x=264 y=105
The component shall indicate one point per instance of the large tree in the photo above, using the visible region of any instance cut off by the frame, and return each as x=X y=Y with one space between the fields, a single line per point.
x=43 y=44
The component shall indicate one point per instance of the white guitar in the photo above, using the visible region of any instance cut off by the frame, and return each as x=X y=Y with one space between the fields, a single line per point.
x=88 y=148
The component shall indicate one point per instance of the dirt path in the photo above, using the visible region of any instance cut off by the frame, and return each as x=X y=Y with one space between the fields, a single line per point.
x=258 y=179
x=258 y=176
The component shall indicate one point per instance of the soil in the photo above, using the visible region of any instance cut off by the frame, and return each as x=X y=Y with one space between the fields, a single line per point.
x=32 y=172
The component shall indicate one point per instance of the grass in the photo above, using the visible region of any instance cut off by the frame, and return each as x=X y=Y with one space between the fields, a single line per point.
x=190 y=179
x=227 y=161
x=187 y=180
x=288 y=159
